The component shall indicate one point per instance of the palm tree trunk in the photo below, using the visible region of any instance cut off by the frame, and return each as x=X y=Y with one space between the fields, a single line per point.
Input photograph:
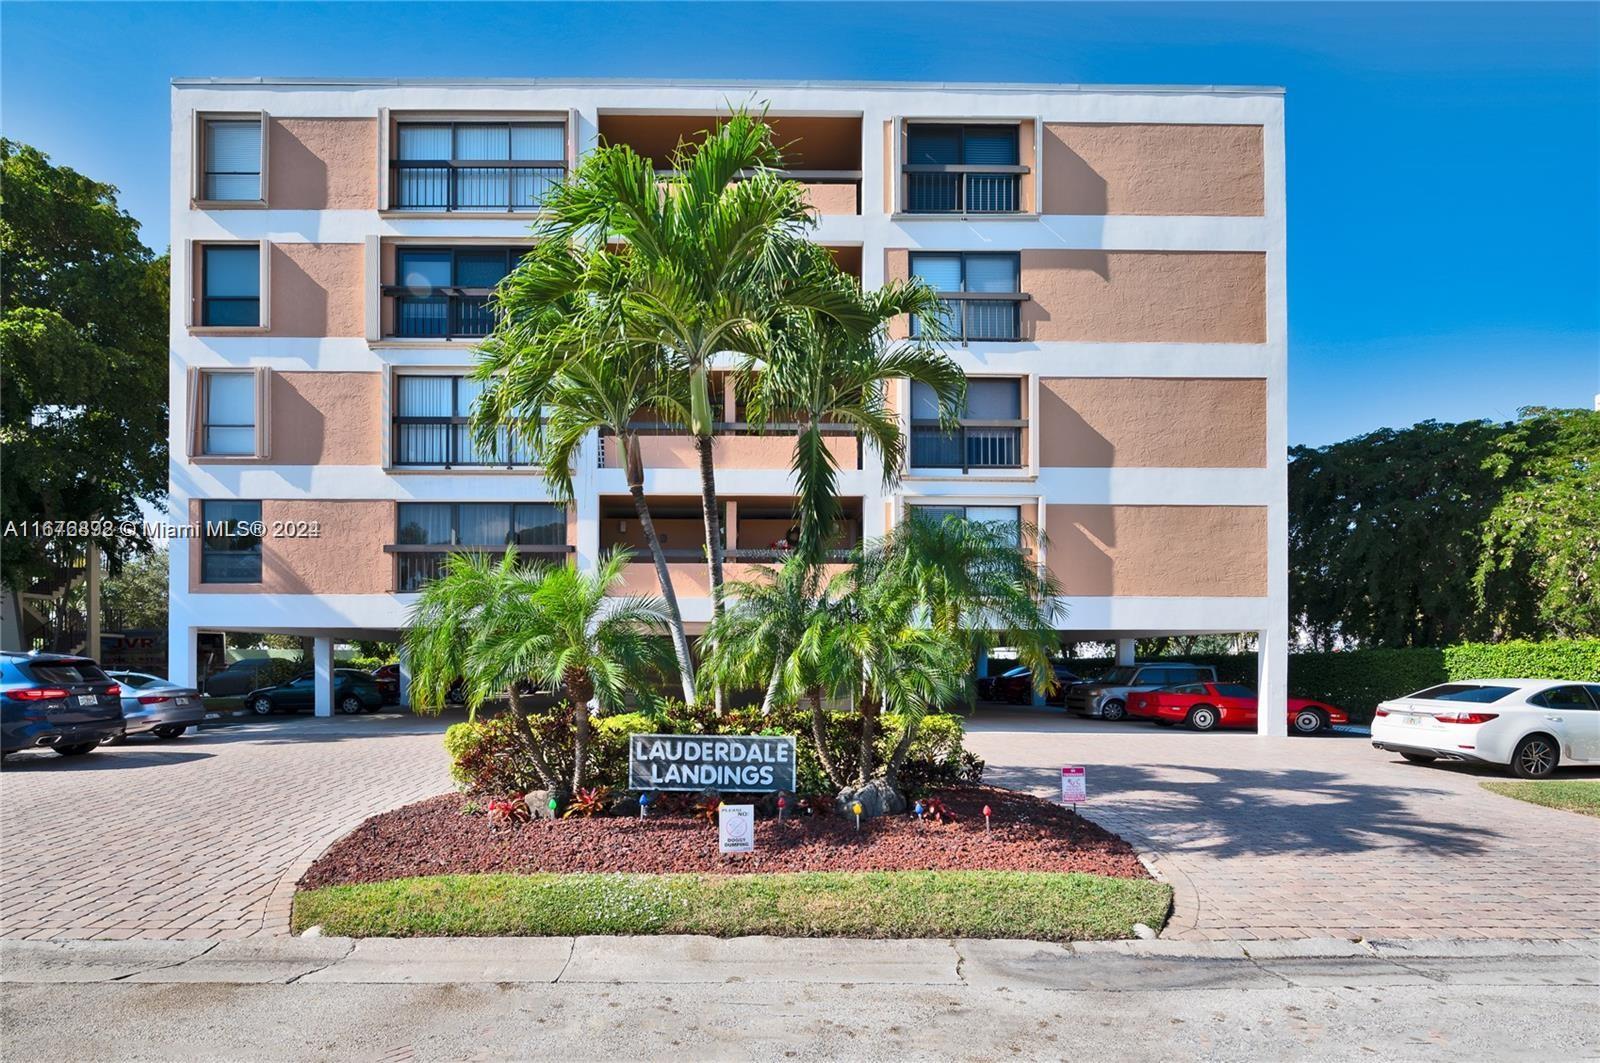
x=771 y=695
x=891 y=774
x=680 y=640
x=580 y=732
x=819 y=737
x=869 y=717
x=713 y=519
x=530 y=741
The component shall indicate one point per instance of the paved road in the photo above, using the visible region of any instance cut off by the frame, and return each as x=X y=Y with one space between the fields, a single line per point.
x=765 y=998
x=1312 y=837
x=202 y=837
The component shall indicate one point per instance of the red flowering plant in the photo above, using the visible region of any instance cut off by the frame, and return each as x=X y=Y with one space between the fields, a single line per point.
x=589 y=801
x=938 y=811
x=506 y=811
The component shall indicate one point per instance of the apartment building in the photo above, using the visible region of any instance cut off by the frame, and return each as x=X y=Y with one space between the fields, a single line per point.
x=1113 y=263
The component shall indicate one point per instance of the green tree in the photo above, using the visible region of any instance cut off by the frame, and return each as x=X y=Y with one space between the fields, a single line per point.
x=136 y=597
x=504 y=628
x=83 y=353
x=1538 y=573
x=1385 y=531
x=688 y=266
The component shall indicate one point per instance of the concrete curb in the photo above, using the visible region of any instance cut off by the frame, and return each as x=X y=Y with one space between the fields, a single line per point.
x=962 y=963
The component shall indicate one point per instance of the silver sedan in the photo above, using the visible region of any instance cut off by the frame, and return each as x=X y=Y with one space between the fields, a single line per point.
x=152 y=705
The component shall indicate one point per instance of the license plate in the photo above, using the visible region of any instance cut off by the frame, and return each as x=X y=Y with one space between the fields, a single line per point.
x=213 y=715
x=185 y=701
x=88 y=699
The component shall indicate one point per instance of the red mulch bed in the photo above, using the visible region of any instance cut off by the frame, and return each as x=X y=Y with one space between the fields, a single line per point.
x=433 y=837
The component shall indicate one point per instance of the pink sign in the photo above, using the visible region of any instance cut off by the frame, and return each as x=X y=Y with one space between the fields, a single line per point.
x=1074 y=788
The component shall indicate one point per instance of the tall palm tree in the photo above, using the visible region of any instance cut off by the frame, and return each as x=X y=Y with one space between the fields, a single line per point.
x=822 y=372
x=504 y=627
x=692 y=265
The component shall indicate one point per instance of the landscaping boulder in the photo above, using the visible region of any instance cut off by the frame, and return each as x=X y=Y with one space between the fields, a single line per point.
x=539 y=804
x=877 y=799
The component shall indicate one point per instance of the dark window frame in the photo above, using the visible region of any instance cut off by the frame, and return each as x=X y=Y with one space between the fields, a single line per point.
x=970 y=432
x=207 y=299
x=457 y=298
x=450 y=423
x=968 y=303
x=454 y=167
x=208 y=551
x=416 y=563
x=963 y=182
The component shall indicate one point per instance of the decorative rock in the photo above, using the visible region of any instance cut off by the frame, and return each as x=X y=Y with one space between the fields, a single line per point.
x=625 y=806
x=876 y=798
x=539 y=804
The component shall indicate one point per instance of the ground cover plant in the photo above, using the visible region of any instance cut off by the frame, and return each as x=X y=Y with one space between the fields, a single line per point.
x=1571 y=795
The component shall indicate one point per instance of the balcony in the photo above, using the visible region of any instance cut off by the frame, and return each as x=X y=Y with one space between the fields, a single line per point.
x=822 y=152
x=971 y=445
x=432 y=426
x=737 y=446
x=442 y=293
x=475 y=167
x=428 y=532
x=965 y=169
x=980 y=316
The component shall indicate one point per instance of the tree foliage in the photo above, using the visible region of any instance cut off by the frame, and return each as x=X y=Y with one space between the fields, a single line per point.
x=83 y=331
x=1440 y=533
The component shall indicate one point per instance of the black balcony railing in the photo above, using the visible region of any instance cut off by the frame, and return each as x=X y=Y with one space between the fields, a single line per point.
x=960 y=189
x=416 y=565
x=972 y=316
x=443 y=186
x=447 y=441
x=970 y=445
x=442 y=313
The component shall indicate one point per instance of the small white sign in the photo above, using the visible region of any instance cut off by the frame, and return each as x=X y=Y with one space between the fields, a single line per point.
x=1074 y=788
x=736 y=828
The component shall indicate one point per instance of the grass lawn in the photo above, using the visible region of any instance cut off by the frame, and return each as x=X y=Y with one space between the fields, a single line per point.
x=897 y=904
x=1576 y=795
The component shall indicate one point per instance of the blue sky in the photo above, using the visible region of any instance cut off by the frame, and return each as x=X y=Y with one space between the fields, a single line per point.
x=1443 y=169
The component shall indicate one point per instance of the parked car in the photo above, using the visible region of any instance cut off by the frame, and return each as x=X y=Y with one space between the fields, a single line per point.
x=1529 y=726
x=151 y=704
x=56 y=701
x=240 y=677
x=1208 y=706
x=1107 y=697
x=1016 y=685
x=387 y=677
x=353 y=691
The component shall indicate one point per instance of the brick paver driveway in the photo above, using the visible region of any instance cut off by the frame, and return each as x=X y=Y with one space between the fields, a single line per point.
x=1312 y=837
x=202 y=837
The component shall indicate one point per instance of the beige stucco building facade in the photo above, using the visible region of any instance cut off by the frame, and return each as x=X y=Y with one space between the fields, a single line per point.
x=1113 y=258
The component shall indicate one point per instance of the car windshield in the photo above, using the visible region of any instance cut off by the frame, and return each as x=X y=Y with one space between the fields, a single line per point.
x=1234 y=690
x=66 y=672
x=1469 y=692
x=1117 y=677
x=133 y=679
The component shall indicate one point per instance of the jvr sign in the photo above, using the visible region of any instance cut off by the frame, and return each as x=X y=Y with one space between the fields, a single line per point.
x=739 y=763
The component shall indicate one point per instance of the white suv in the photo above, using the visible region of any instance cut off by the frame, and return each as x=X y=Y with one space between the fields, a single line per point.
x=1527 y=725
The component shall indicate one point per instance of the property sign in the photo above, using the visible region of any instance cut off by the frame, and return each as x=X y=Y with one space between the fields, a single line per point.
x=737 y=763
x=736 y=828
x=1074 y=788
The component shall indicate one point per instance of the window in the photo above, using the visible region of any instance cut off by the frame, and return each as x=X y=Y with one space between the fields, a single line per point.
x=230 y=285
x=1568 y=698
x=1192 y=688
x=230 y=551
x=433 y=425
x=1479 y=695
x=1234 y=690
x=428 y=531
x=231 y=160
x=989 y=435
x=444 y=292
x=477 y=166
x=1002 y=518
x=228 y=427
x=982 y=293
x=956 y=169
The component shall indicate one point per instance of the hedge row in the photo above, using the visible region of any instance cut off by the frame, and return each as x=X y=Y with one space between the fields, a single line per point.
x=1357 y=680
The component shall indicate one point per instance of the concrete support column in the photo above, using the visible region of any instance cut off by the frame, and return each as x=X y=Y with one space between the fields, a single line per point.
x=322 y=674
x=183 y=655
x=1125 y=648
x=405 y=678
x=1272 y=683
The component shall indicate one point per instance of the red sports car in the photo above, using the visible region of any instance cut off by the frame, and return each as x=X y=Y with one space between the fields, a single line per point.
x=1207 y=706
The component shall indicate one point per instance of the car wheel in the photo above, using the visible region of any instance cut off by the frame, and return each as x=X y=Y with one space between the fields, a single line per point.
x=1202 y=718
x=170 y=731
x=350 y=705
x=1419 y=758
x=262 y=706
x=77 y=749
x=1115 y=709
x=1308 y=722
x=1536 y=757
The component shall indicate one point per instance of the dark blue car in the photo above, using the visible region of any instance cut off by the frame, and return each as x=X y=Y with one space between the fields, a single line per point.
x=53 y=701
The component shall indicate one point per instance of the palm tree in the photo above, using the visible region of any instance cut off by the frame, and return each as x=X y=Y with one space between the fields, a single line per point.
x=822 y=373
x=685 y=267
x=977 y=582
x=503 y=627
